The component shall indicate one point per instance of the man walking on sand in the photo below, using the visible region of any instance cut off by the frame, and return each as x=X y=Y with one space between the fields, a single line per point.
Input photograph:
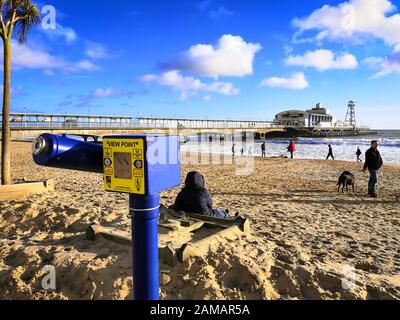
x=330 y=153
x=358 y=154
x=373 y=162
x=263 y=150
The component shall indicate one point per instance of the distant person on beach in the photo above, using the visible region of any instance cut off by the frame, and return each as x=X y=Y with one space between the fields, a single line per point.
x=233 y=149
x=373 y=162
x=291 y=148
x=358 y=154
x=195 y=198
x=330 y=153
x=242 y=152
x=263 y=150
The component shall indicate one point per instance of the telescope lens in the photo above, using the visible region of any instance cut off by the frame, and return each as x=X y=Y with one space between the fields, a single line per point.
x=39 y=146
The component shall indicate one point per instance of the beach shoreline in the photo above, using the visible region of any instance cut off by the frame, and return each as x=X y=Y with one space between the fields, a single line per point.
x=307 y=240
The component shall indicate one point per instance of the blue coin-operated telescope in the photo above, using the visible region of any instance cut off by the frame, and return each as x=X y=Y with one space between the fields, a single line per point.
x=140 y=165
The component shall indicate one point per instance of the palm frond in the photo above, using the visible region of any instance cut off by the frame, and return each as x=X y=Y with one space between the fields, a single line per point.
x=28 y=16
x=8 y=7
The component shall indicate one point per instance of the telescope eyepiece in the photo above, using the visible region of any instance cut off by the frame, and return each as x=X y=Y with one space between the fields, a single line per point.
x=39 y=146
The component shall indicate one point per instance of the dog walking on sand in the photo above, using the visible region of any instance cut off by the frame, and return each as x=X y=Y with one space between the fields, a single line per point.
x=346 y=179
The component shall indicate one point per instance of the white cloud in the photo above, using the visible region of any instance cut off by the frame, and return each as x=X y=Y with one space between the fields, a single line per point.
x=107 y=93
x=323 y=60
x=99 y=93
x=296 y=81
x=25 y=57
x=189 y=86
x=97 y=51
x=67 y=33
x=354 y=20
x=232 y=56
x=387 y=65
x=373 y=62
x=84 y=65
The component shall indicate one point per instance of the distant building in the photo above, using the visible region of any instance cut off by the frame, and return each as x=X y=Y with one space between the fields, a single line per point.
x=317 y=116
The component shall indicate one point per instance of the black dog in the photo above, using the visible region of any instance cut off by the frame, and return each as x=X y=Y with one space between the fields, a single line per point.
x=345 y=180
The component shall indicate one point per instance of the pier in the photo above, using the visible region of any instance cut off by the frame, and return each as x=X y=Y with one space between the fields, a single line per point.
x=28 y=125
x=24 y=125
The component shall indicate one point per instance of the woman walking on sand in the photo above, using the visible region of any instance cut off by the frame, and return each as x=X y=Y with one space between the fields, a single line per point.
x=291 y=148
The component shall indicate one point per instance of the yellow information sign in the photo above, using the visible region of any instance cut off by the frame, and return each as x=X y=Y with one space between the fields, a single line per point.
x=124 y=160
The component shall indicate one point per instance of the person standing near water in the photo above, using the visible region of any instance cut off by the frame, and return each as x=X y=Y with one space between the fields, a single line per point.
x=263 y=150
x=291 y=148
x=330 y=153
x=373 y=162
x=358 y=154
x=233 y=150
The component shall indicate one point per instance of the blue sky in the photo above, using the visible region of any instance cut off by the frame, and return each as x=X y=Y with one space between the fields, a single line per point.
x=214 y=58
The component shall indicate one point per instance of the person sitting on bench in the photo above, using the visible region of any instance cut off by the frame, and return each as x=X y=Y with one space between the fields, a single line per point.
x=194 y=198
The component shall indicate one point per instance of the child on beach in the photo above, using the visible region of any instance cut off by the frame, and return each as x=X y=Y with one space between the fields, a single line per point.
x=195 y=198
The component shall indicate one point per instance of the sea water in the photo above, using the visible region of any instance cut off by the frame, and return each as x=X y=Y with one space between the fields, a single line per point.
x=344 y=148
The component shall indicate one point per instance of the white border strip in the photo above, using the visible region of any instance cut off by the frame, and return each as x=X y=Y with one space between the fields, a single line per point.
x=143 y=210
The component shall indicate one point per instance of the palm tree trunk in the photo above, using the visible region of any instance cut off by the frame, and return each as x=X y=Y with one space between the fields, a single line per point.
x=6 y=132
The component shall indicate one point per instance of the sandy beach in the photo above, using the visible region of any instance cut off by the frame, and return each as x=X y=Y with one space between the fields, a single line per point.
x=306 y=238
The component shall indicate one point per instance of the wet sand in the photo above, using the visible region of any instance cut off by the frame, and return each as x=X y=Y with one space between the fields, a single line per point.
x=307 y=241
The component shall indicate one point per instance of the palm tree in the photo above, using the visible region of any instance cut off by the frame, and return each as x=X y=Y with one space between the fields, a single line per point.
x=19 y=16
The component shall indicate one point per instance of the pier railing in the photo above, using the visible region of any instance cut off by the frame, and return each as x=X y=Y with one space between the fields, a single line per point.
x=132 y=125
x=61 y=125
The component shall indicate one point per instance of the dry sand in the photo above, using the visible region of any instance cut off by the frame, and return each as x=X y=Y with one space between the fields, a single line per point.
x=306 y=238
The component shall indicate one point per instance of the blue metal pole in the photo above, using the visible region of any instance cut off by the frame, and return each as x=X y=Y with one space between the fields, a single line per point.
x=145 y=211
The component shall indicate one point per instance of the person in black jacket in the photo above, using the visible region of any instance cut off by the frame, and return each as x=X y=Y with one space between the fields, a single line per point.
x=194 y=197
x=263 y=150
x=358 y=154
x=330 y=153
x=373 y=162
